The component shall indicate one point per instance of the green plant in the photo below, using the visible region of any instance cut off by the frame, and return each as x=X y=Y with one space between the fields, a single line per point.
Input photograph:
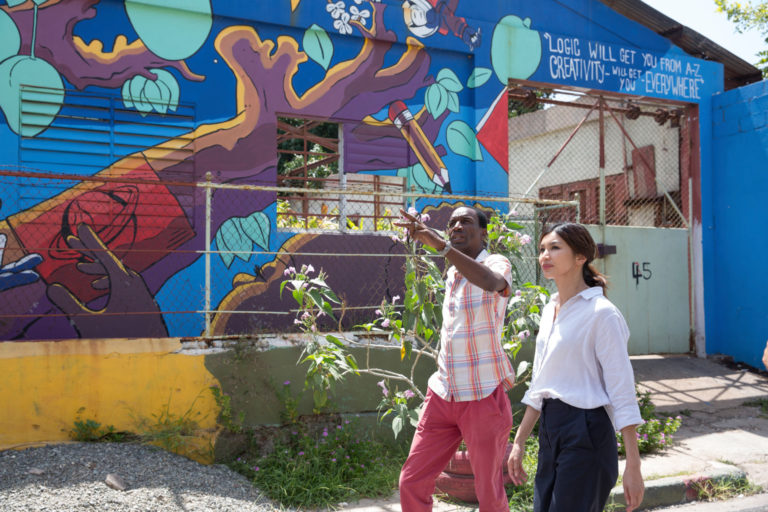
x=290 y=412
x=328 y=360
x=172 y=432
x=708 y=489
x=91 y=431
x=653 y=434
x=762 y=403
x=413 y=328
x=322 y=469
x=225 y=416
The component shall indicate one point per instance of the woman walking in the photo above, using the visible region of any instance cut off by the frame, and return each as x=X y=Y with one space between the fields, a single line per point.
x=582 y=387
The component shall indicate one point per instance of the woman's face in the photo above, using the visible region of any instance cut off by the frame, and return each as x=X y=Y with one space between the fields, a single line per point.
x=557 y=259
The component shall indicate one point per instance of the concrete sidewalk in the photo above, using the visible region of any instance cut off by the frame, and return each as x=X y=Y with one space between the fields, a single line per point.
x=720 y=437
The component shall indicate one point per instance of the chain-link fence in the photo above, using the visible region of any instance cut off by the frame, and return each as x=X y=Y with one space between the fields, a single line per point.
x=104 y=256
x=619 y=159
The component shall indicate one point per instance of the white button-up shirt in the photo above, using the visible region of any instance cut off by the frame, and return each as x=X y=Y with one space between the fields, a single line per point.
x=472 y=363
x=582 y=359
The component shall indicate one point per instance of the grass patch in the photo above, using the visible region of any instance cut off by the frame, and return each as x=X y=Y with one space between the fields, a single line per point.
x=762 y=403
x=714 y=490
x=322 y=469
x=90 y=431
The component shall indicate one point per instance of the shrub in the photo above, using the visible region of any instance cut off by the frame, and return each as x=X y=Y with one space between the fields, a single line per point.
x=654 y=434
x=322 y=469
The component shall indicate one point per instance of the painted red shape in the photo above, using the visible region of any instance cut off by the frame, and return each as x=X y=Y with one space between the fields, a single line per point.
x=139 y=222
x=493 y=130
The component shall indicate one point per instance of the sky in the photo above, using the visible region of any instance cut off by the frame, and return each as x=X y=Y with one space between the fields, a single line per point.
x=702 y=16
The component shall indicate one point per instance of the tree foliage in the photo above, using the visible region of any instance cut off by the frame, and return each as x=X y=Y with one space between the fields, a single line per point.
x=748 y=16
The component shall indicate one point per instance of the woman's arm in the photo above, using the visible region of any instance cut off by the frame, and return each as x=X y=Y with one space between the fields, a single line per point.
x=634 y=488
x=515 y=461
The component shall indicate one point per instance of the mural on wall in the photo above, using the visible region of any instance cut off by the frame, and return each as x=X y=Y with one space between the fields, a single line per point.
x=416 y=87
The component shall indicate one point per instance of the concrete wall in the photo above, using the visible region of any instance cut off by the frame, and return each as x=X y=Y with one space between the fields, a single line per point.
x=736 y=282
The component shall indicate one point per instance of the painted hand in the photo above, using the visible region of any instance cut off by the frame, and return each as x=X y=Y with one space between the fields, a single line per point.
x=130 y=311
x=18 y=273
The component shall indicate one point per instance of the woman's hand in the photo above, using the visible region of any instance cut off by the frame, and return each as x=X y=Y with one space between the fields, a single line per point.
x=634 y=488
x=515 y=464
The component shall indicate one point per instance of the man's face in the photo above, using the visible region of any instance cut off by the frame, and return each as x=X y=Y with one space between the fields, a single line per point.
x=465 y=232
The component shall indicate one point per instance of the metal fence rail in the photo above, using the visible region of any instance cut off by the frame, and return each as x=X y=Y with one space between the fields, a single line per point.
x=151 y=262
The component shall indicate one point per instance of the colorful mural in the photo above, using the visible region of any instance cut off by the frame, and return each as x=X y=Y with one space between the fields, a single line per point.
x=417 y=88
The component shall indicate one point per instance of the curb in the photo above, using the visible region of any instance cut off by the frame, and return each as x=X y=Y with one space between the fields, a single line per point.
x=674 y=490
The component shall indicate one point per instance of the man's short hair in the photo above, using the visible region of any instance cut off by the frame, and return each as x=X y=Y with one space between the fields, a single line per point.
x=482 y=218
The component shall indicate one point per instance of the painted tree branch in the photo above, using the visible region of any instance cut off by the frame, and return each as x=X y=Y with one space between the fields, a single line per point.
x=80 y=63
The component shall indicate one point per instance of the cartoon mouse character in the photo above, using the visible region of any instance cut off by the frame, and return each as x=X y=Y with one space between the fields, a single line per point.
x=425 y=17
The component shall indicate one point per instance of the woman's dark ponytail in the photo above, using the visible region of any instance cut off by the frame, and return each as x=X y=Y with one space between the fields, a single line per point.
x=592 y=277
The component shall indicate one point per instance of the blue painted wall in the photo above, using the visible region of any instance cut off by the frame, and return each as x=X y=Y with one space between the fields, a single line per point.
x=209 y=78
x=736 y=281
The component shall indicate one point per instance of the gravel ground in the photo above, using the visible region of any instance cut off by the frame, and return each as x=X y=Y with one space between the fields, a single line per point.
x=72 y=477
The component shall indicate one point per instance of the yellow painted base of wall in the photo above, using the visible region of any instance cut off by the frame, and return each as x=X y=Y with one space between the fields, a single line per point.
x=129 y=384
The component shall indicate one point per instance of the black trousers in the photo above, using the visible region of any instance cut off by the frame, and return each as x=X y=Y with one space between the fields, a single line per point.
x=578 y=459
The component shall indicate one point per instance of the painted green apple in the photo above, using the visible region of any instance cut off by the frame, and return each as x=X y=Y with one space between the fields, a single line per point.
x=10 y=40
x=44 y=96
x=171 y=29
x=515 y=49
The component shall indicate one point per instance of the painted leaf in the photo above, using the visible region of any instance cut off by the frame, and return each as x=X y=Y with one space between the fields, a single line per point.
x=136 y=88
x=318 y=46
x=152 y=94
x=478 y=77
x=436 y=100
x=257 y=228
x=453 y=102
x=167 y=79
x=165 y=94
x=14 y=3
x=463 y=141
x=143 y=104
x=449 y=80
x=126 y=92
x=10 y=39
x=164 y=32
x=231 y=237
x=418 y=177
x=221 y=245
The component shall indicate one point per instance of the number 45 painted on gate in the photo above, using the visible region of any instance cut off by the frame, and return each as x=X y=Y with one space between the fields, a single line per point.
x=637 y=273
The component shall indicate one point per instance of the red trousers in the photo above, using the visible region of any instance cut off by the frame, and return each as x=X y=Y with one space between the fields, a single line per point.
x=483 y=424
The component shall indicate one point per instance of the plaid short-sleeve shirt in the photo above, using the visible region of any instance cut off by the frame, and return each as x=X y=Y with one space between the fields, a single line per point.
x=471 y=362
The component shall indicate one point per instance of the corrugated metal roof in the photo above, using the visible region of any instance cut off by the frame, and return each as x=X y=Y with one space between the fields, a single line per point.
x=737 y=71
